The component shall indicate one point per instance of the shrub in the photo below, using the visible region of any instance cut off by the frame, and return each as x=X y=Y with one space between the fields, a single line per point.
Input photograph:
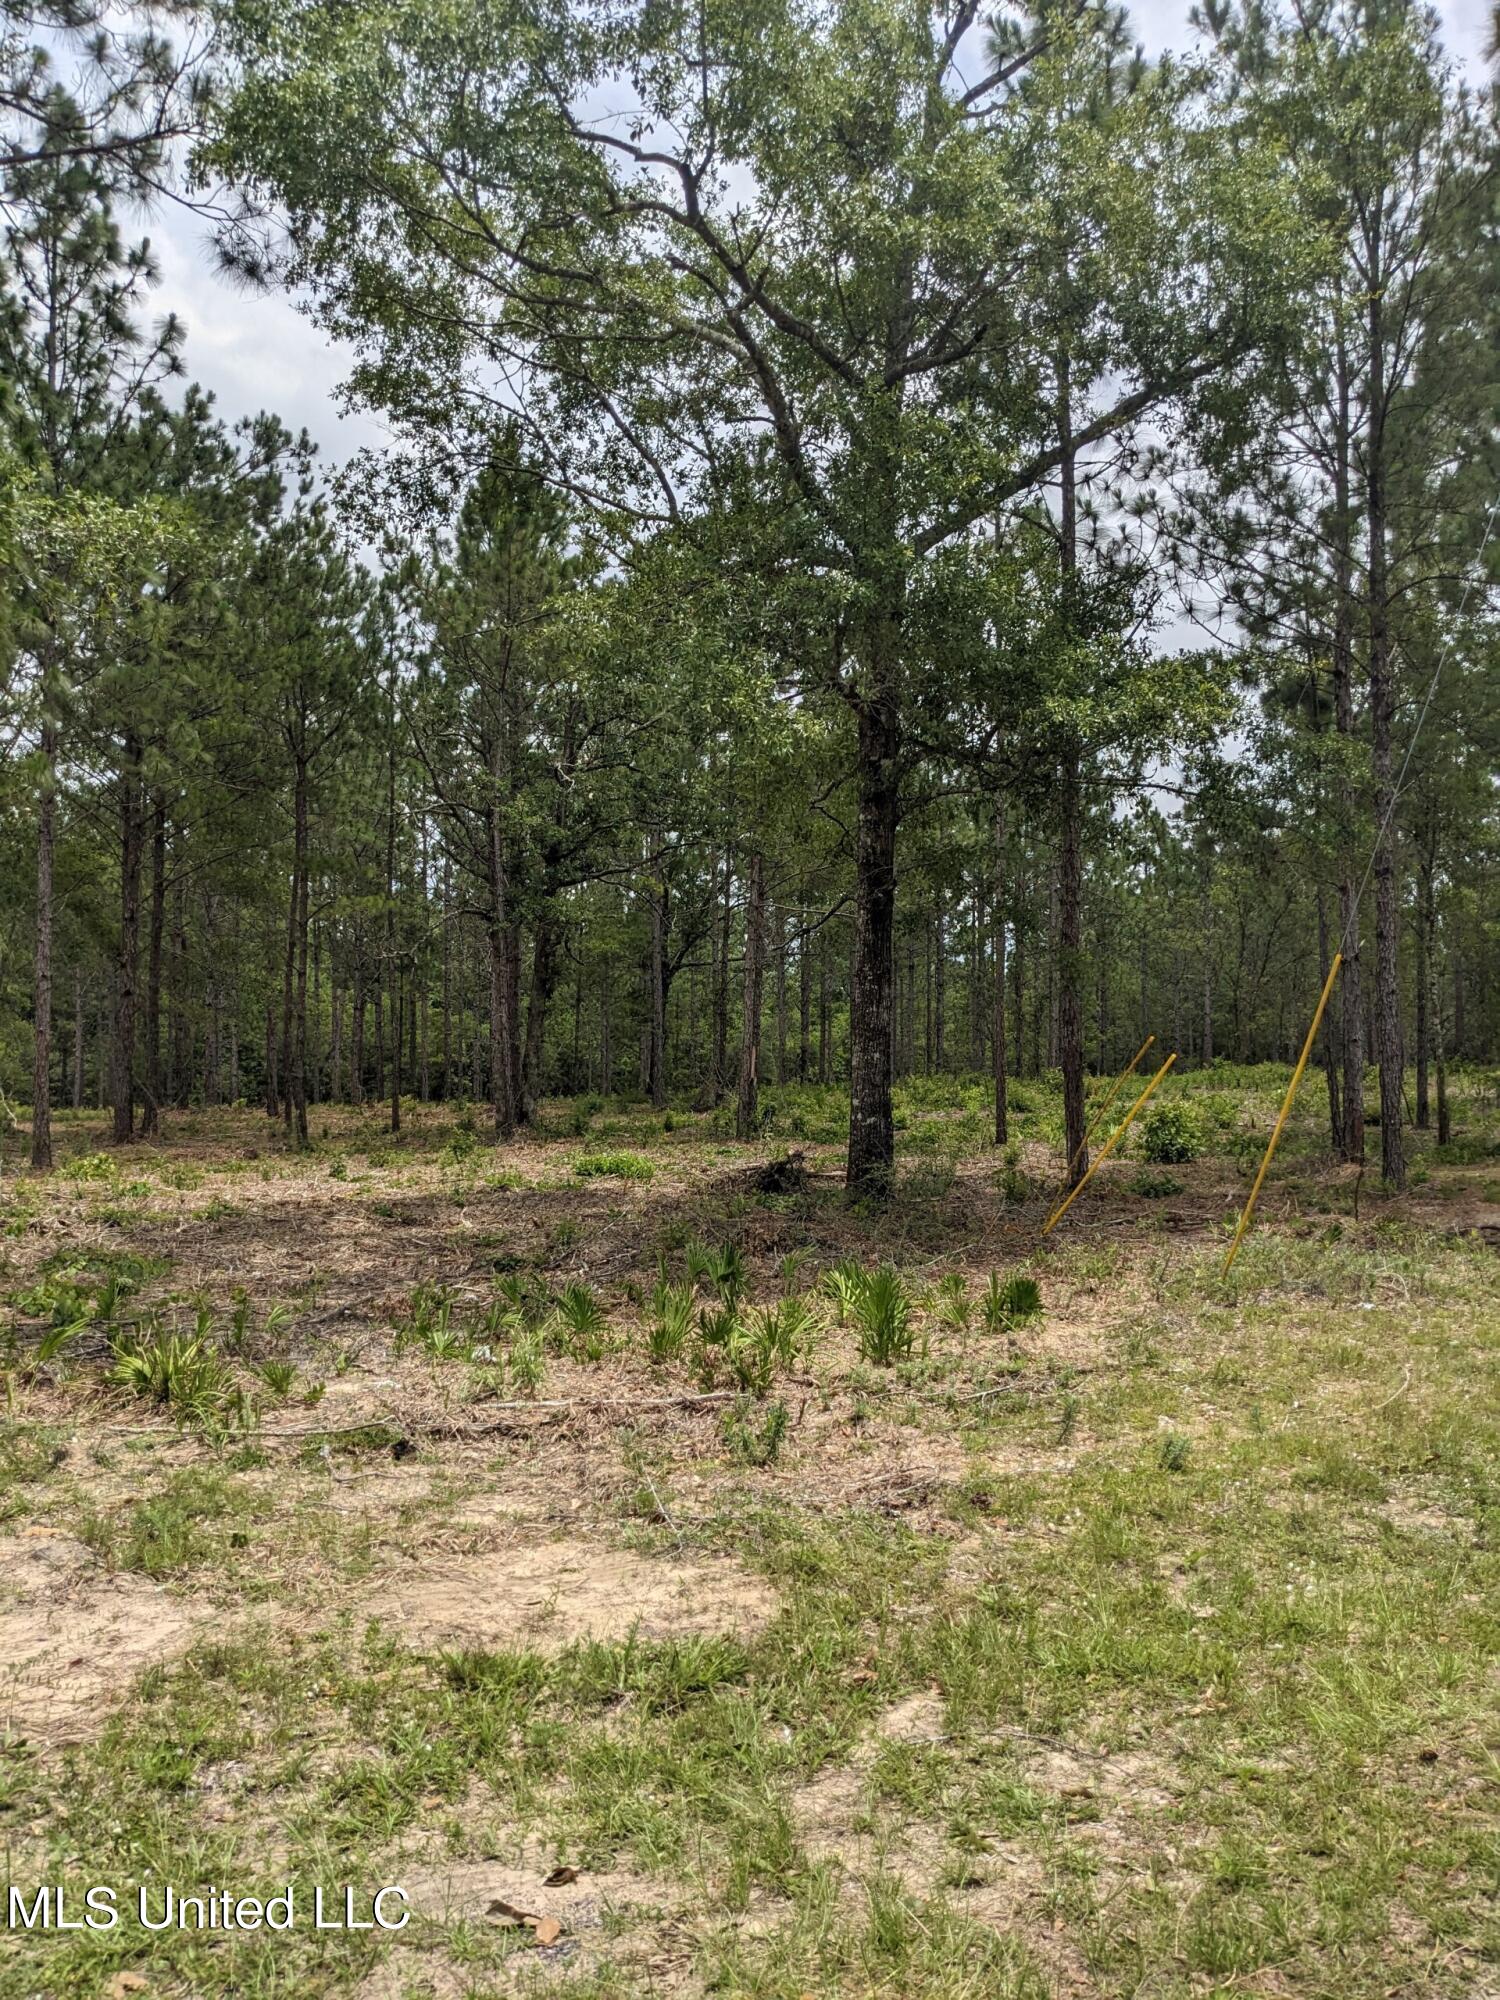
x=1156 y=1187
x=1170 y=1133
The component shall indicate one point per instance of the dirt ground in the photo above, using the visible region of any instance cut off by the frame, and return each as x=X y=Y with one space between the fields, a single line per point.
x=363 y=1524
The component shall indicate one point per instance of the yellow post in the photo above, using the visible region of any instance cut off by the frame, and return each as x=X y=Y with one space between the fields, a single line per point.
x=1286 y=1105
x=1109 y=1146
x=1114 y=1091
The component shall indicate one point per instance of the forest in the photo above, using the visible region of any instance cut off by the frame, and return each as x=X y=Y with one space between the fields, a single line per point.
x=921 y=635
x=965 y=646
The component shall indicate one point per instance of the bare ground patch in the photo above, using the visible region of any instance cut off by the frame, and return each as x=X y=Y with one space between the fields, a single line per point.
x=73 y=1636
x=549 y=1595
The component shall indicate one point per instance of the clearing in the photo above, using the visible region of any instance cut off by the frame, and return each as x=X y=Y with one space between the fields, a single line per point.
x=607 y=1551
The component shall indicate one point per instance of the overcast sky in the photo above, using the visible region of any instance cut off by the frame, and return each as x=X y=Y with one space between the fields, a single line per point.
x=262 y=353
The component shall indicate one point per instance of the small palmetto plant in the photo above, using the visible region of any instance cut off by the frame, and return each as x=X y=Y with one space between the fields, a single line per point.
x=182 y=1370
x=527 y=1360
x=671 y=1323
x=882 y=1312
x=278 y=1376
x=955 y=1309
x=726 y=1273
x=1010 y=1303
x=844 y=1282
x=582 y=1314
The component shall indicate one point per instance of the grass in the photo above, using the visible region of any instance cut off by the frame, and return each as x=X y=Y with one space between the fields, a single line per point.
x=1144 y=1643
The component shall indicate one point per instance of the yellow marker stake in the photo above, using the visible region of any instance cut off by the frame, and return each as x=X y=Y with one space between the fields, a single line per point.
x=1098 y=1118
x=1286 y=1105
x=1109 y=1146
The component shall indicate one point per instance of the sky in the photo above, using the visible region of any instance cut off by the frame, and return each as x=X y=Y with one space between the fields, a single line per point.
x=263 y=353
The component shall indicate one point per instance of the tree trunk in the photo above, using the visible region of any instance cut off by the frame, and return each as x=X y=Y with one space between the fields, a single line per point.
x=357 y=1031
x=1440 y=1063
x=1330 y=1053
x=41 y=1059
x=825 y=1013
x=543 y=985
x=502 y=1100
x=336 y=1046
x=151 y=1110
x=747 y=1104
x=77 y=1040
x=122 y=1049
x=1070 y=967
x=1382 y=722
x=780 y=993
x=296 y=1092
x=719 y=1081
x=804 y=999
x=1001 y=1082
x=872 y=1129
x=273 y=1100
x=656 y=1022
x=1351 y=1004
x=1423 y=998
x=396 y=1026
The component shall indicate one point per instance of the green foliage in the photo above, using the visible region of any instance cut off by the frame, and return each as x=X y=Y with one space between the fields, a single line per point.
x=671 y=1323
x=183 y=1372
x=582 y=1313
x=613 y=1166
x=1171 y=1133
x=754 y=1439
x=1010 y=1302
x=882 y=1310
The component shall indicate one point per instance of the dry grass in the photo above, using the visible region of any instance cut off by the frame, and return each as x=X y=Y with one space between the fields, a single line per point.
x=1147 y=1646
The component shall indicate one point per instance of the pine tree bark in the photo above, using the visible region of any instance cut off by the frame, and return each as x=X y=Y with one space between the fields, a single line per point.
x=656 y=1021
x=1001 y=1081
x=539 y=1000
x=872 y=1128
x=151 y=1108
x=747 y=1104
x=1330 y=1053
x=127 y=971
x=77 y=1040
x=1351 y=1000
x=41 y=1058
x=1382 y=725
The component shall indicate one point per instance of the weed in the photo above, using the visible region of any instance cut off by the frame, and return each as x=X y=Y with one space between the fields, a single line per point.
x=1173 y=1452
x=528 y=1362
x=751 y=1442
